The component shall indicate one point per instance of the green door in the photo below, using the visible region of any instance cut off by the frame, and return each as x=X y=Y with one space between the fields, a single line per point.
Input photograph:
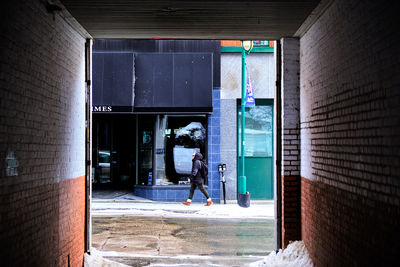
x=258 y=149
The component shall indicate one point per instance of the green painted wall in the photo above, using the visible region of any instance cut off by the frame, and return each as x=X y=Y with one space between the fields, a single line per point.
x=259 y=174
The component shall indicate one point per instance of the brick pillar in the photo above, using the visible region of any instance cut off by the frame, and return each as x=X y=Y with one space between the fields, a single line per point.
x=290 y=95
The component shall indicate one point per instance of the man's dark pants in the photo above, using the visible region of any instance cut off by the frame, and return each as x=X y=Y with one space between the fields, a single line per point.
x=202 y=189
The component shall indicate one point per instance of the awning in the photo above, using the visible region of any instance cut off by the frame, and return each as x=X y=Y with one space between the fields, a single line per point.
x=152 y=82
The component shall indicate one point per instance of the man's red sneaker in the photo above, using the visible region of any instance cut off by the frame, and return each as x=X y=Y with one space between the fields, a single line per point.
x=186 y=203
x=208 y=203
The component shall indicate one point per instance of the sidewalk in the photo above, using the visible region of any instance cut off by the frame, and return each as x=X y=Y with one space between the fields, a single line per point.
x=130 y=205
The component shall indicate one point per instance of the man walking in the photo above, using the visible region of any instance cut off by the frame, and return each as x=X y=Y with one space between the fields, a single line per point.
x=197 y=179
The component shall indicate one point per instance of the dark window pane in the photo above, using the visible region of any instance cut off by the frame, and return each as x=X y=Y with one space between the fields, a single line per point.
x=183 y=136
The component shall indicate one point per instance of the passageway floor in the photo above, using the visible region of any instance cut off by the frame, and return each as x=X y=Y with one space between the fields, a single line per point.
x=225 y=242
x=167 y=234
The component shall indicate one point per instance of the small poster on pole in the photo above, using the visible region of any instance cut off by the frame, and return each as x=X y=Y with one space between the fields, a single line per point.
x=250 y=102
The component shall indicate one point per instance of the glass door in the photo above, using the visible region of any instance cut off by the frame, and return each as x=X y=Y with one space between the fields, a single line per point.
x=114 y=149
x=102 y=151
x=145 y=146
x=258 y=149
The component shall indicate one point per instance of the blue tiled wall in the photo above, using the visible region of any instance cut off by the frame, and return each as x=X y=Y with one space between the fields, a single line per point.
x=214 y=147
x=181 y=193
x=169 y=193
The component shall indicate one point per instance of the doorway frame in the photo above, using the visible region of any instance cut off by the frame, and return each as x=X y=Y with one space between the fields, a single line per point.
x=88 y=145
x=276 y=146
x=259 y=102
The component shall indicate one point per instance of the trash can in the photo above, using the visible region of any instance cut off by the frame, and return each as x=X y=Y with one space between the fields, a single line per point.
x=244 y=200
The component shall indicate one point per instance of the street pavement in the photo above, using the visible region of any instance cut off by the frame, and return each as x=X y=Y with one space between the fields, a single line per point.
x=138 y=232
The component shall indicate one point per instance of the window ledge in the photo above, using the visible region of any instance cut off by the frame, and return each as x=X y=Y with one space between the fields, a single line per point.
x=155 y=187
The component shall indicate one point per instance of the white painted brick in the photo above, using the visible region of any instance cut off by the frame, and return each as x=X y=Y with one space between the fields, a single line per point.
x=349 y=100
x=290 y=158
x=291 y=101
x=42 y=93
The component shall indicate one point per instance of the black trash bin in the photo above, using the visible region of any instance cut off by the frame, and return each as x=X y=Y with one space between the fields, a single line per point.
x=244 y=200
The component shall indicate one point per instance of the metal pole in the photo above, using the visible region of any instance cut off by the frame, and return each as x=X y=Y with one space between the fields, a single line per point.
x=242 y=180
x=278 y=177
x=223 y=186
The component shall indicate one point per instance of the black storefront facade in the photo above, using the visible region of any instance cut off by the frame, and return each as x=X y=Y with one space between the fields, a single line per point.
x=155 y=102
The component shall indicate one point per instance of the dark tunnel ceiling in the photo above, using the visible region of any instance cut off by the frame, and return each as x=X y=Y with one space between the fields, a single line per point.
x=208 y=19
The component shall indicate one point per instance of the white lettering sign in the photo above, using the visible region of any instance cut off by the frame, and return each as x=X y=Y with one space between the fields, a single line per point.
x=101 y=108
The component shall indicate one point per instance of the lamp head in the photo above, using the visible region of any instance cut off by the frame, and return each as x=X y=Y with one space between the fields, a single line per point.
x=247 y=45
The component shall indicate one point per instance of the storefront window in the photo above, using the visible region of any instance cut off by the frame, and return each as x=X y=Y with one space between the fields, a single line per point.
x=146 y=124
x=146 y=149
x=258 y=130
x=114 y=151
x=181 y=136
x=104 y=165
x=102 y=153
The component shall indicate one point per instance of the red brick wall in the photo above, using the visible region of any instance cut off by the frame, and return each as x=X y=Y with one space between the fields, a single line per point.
x=350 y=134
x=42 y=225
x=290 y=209
x=71 y=221
x=346 y=229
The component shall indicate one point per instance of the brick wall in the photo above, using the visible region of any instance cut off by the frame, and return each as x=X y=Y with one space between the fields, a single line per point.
x=347 y=229
x=42 y=137
x=350 y=132
x=290 y=209
x=71 y=226
x=290 y=141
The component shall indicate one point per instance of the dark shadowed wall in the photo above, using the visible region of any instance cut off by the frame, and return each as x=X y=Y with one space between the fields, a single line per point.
x=350 y=134
x=42 y=137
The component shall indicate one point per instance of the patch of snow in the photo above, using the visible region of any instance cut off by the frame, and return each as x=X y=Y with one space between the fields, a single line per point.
x=133 y=255
x=197 y=210
x=95 y=259
x=193 y=135
x=294 y=255
x=194 y=129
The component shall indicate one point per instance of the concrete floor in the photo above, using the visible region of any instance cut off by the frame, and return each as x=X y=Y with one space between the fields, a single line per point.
x=161 y=241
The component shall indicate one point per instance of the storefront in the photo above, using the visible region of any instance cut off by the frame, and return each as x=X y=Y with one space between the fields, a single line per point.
x=151 y=111
x=132 y=149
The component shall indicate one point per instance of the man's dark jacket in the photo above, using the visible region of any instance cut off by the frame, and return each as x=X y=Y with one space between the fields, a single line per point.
x=196 y=177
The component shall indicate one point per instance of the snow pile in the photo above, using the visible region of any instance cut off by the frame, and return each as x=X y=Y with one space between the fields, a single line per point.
x=194 y=134
x=235 y=211
x=294 y=255
x=95 y=259
x=196 y=210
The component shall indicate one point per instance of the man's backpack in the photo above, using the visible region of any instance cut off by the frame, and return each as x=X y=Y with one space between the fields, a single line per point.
x=204 y=170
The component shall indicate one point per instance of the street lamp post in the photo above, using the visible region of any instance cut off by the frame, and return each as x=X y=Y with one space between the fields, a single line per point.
x=246 y=47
